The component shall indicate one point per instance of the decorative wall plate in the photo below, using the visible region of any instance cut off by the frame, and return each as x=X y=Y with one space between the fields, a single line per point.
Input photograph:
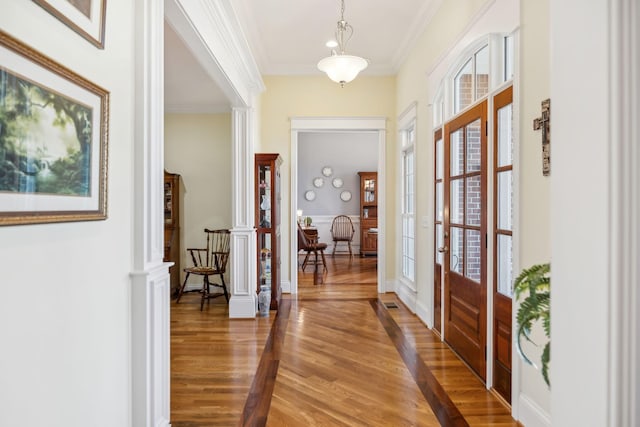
x=327 y=171
x=345 y=196
x=337 y=182
x=310 y=195
x=318 y=182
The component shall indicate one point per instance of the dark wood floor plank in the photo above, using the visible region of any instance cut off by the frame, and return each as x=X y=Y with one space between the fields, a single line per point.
x=256 y=409
x=446 y=411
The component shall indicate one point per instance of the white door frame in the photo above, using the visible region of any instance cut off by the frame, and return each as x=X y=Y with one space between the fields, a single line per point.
x=339 y=124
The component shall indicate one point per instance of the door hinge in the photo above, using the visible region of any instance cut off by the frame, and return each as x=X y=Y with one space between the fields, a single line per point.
x=486 y=128
x=486 y=241
x=485 y=352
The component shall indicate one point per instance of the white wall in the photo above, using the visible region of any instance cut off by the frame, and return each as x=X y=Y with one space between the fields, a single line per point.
x=65 y=306
x=581 y=147
x=198 y=147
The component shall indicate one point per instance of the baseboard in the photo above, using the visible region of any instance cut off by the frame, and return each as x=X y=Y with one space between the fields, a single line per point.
x=530 y=414
x=285 y=285
x=391 y=286
x=424 y=313
x=407 y=295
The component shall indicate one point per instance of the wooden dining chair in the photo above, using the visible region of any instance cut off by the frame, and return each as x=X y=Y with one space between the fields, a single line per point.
x=311 y=246
x=209 y=261
x=342 y=230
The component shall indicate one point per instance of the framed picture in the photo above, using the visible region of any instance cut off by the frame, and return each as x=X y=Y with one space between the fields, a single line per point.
x=86 y=17
x=53 y=140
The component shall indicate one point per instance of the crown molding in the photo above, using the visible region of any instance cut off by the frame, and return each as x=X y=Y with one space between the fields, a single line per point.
x=212 y=31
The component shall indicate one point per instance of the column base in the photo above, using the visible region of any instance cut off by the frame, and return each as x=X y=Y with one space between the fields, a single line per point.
x=242 y=307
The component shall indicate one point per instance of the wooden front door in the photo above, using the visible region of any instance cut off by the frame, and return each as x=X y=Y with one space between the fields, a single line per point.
x=503 y=239
x=465 y=236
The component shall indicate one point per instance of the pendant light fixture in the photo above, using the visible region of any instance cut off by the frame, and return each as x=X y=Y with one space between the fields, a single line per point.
x=340 y=67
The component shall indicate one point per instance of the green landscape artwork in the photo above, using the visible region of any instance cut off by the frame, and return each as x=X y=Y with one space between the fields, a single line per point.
x=45 y=140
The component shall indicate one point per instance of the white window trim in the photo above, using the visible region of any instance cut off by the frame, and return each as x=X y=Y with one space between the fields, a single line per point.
x=407 y=289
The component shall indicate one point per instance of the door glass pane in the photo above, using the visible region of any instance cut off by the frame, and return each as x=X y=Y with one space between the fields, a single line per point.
x=439 y=160
x=462 y=95
x=482 y=72
x=457 y=153
x=505 y=200
x=474 y=146
x=439 y=202
x=505 y=264
x=473 y=259
x=456 y=214
x=457 y=248
x=473 y=204
x=439 y=243
x=505 y=139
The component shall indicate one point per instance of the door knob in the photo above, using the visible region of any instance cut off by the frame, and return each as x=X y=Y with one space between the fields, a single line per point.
x=443 y=249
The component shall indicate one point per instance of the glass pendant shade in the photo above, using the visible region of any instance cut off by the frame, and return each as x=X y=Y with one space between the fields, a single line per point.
x=342 y=68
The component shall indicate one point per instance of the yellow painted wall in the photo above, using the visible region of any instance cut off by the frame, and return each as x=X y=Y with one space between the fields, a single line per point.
x=198 y=147
x=317 y=96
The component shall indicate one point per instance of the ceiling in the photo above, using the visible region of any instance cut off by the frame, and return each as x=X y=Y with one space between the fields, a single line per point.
x=288 y=37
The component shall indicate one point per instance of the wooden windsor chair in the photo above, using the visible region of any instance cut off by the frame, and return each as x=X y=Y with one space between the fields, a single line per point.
x=209 y=261
x=342 y=230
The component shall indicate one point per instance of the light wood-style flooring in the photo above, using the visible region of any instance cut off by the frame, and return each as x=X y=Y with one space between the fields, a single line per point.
x=334 y=356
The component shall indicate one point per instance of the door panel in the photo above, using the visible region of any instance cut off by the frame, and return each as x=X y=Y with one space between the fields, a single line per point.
x=465 y=224
x=503 y=243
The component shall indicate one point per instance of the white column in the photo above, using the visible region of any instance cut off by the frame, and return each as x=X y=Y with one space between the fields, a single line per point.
x=150 y=277
x=243 y=234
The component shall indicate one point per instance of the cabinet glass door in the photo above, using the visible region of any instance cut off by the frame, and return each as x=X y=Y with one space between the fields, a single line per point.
x=265 y=187
x=264 y=244
x=370 y=190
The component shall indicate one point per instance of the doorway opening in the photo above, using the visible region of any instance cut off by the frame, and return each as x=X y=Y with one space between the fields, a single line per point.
x=366 y=129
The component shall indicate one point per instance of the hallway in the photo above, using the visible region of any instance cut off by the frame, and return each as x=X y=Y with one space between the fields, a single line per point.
x=336 y=355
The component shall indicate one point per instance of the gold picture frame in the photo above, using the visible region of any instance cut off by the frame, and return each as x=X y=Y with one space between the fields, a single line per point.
x=53 y=140
x=85 y=17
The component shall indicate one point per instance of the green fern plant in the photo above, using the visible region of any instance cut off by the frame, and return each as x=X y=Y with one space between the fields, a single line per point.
x=534 y=284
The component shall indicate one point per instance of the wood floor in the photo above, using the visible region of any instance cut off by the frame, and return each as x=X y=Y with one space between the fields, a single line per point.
x=334 y=356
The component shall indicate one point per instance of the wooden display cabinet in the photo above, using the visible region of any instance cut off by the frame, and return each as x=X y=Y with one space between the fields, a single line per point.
x=368 y=213
x=172 y=251
x=267 y=208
